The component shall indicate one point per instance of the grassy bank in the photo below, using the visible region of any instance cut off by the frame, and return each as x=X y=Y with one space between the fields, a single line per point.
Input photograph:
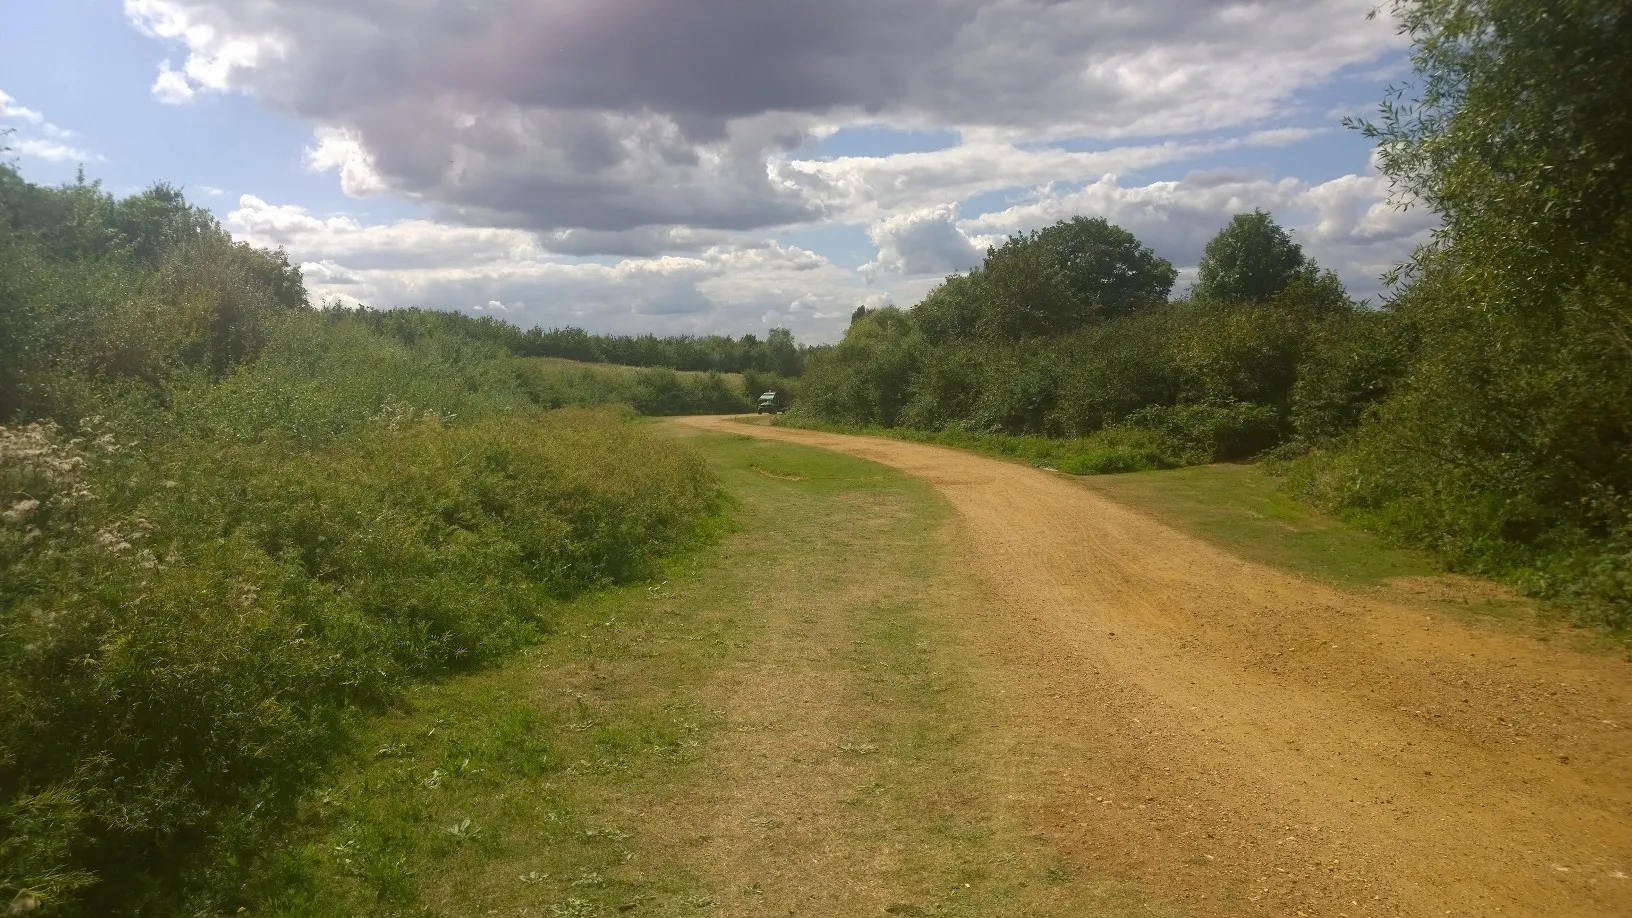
x=1240 y=507
x=192 y=626
x=782 y=725
x=1106 y=452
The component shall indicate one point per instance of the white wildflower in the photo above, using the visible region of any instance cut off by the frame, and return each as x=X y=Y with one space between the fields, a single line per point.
x=20 y=511
x=245 y=594
x=109 y=539
x=35 y=460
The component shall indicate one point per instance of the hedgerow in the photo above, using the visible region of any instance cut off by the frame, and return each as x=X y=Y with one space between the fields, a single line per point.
x=231 y=526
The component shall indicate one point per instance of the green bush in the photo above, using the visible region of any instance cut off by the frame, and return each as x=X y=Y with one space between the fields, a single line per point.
x=1350 y=365
x=661 y=392
x=1120 y=449
x=1108 y=451
x=1497 y=420
x=231 y=525
x=188 y=624
x=1214 y=431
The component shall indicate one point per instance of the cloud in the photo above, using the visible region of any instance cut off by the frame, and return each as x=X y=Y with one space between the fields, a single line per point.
x=12 y=110
x=623 y=114
x=922 y=242
x=873 y=188
x=172 y=86
x=37 y=138
x=738 y=285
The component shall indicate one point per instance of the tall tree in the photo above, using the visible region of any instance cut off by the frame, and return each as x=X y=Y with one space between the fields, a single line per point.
x=781 y=353
x=1250 y=259
x=1108 y=271
x=1074 y=273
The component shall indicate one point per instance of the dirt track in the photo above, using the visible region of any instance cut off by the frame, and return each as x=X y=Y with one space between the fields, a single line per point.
x=1241 y=741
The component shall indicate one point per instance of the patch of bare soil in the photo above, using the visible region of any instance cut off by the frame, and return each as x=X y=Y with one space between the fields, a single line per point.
x=1241 y=741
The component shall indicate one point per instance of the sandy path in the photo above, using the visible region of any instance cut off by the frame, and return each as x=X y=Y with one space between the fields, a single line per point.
x=1241 y=741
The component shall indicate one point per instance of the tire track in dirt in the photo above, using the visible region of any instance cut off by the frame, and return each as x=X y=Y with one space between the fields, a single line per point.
x=1242 y=741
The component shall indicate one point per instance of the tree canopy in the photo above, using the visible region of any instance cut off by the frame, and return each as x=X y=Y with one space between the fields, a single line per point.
x=1252 y=258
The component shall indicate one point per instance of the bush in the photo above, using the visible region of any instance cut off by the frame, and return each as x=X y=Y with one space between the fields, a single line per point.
x=664 y=392
x=188 y=625
x=1217 y=431
x=1351 y=363
x=1120 y=449
x=230 y=525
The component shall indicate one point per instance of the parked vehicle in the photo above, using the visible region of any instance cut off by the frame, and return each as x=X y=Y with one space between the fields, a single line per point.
x=772 y=402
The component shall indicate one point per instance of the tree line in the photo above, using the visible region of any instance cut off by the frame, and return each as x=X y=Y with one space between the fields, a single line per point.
x=777 y=353
x=1483 y=411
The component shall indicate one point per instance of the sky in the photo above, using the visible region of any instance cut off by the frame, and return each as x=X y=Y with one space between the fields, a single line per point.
x=710 y=166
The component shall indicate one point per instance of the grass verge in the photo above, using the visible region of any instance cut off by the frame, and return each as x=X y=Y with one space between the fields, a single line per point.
x=1245 y=510
x=1110 y=451
x=783 y=725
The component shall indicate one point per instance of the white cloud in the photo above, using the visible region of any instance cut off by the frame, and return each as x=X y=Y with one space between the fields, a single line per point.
x=924 y=241
x=52 y=151
x=217 y=55
x=341 y=151
x=873 y=188
x=740 y=285
x=12 y=110
x=37 y=138
x=172 y=86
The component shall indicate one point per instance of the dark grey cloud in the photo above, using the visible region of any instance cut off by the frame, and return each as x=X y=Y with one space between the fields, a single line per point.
x=612 y=115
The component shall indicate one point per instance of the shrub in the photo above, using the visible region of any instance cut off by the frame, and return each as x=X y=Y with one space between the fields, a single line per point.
x=187 y=626
x=230 y=525
x=1215 y=431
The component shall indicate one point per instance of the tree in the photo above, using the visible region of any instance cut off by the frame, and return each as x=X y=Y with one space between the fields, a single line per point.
x=1027 y=295
x=1074 y=273
x=781 y=354
x=865 y=378
x=1107 y=270
x=1517 y=132
x=1506 y=441
x=1251 y=259
x=951 y=312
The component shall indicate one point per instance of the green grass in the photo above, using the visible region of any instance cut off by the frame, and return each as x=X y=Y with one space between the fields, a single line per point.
x=207 y=580
x=555 y=381
x=560 y=759
x=1242 y=508
x=681 y=747
x=1109 y=451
